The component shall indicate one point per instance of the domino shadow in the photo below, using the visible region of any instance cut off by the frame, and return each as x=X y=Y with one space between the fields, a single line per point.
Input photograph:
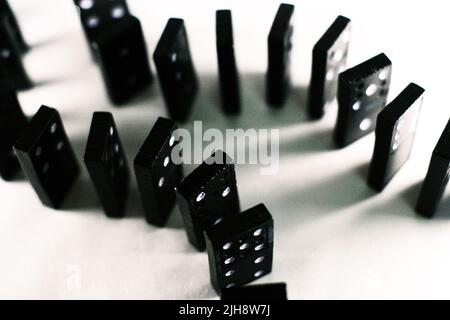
x=135 y=209
x=255 y=113
x=363 y=171
x=82 y=197
x=443 y=211
x=319 y=199
x=402 y=205
x=337 y=192
x=298 y=203
x=60 y=59
x=389 y=211
x=411 y=194
x=297 y=133
x=305 y=139
x=142 y=98
x=175 y=220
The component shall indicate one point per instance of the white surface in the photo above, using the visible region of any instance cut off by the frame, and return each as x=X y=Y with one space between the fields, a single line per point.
x=334 y=237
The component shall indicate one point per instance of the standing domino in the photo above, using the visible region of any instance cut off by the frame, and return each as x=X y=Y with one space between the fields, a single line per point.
x=12 y=124
x=278 y=80
x=328 y=60
x=156 y=173
x=9 y=22
x=437 y=177
x=208 y=196
x=123 y=59
x=176 y=72
x=106 y=163
x=11 y=58
x=240 y=250
x=362 y=94
x=229 y=78
x=394 y=136
x=47 y=157
x=97 y=15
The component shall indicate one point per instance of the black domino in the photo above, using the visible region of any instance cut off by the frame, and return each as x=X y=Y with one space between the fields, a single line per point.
x=47 y=158
x=394 y=136
x=362 y=94
x=328 y=60
x=12 y=124
x=259 y=292
x=156 y=173
x=207 y=196
x=279 y=51
x=98 y=15
x=228 y=72
x=437 y=176
x=106 y=163
x=240 y=249
x=9 y=22
x=11 y=58
x=122 y=56
x=176 y=72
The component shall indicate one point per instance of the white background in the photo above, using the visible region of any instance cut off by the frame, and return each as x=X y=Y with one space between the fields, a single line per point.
x=334 y=237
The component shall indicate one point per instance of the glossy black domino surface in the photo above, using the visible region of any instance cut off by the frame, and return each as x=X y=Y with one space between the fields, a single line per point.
x=123 y=60
x=278 y=79
x=98 y=15
x=207 y=196
x=12 y=26
x=240 y=249
x=394 y=136
x=156 y=172
x=47 y=158
x=12 y=124
x=11 y=58
x=176 y=73
x=106 y=163
x=437 y=176
x=328 y=60
x=362 y=94
x=228 y=72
